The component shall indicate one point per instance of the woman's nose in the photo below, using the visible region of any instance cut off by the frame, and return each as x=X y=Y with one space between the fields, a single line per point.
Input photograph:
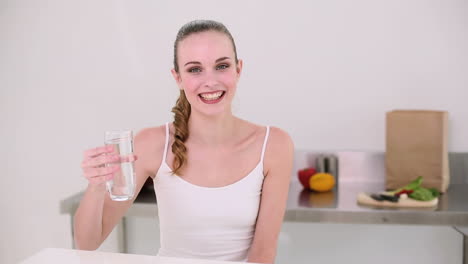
x=210 y=79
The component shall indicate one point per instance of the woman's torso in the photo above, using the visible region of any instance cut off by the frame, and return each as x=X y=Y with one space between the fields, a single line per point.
x=210 y=212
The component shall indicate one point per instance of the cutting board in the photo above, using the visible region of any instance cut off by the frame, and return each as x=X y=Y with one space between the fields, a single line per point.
x=365 y=199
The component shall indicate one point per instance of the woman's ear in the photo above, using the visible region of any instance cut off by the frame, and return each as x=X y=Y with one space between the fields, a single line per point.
x=239 y=65
x=177 y=78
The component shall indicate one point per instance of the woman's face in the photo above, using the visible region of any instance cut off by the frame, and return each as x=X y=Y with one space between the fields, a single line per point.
x=207 y=72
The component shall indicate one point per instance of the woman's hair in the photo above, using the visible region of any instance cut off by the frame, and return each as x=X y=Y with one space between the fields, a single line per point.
x=182 y=108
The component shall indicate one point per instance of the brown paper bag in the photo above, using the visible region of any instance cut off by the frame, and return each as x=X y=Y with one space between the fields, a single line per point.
x=416 y=145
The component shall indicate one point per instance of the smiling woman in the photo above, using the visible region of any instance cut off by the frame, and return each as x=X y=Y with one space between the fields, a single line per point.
x=211 y=69
x=222 y=189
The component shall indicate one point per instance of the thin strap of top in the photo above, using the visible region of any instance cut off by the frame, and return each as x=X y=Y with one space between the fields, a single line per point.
x=265 y=142
x=167 y=142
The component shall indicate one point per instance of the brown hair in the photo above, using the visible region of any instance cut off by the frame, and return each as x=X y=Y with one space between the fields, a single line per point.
x=182 y=108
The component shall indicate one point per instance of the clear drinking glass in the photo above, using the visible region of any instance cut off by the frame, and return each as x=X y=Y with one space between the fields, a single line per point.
x=122 y=186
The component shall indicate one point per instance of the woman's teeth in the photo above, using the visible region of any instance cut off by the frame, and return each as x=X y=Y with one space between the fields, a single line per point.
x=212 y=96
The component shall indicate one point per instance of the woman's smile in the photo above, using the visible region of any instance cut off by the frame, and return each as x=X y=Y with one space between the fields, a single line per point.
x=212 y=97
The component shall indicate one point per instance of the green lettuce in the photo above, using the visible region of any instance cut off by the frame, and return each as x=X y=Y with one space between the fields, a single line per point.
x=419 y=193
x=410 y=186
x=422 y=194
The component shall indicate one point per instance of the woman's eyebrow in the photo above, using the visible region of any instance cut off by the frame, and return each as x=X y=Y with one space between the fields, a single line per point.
x=198 y=63
x=192 y=62
x=222 y=58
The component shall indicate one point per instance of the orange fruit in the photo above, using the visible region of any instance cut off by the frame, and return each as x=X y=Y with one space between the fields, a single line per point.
x=322 y=182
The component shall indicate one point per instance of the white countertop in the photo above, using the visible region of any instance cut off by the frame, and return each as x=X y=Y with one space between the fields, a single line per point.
x=71 y=256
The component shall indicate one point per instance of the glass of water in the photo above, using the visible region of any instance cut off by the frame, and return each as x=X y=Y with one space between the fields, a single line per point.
x=122 y=186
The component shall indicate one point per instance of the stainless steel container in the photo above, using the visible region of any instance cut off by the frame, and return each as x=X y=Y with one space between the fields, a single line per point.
x=327 y=163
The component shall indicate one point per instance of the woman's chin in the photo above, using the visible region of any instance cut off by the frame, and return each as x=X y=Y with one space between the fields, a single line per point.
x=214 y=113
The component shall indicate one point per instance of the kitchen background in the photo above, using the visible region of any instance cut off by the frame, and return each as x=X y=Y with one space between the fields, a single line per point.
x=325 y=71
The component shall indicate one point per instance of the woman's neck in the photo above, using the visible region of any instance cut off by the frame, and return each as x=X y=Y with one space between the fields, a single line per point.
x=212 y=131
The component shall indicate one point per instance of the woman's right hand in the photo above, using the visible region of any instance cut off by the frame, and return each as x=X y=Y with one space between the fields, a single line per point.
x=93 y=164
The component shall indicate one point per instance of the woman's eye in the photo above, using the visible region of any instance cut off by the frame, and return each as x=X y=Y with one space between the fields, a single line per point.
x=194 y=70
x=222 y=66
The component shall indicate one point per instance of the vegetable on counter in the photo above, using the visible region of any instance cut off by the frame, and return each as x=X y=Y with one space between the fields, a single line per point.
x=384 y=197
x=409 y=187
x=423 y=194
x=415 y=191
x=304 y=176
x=407 y=192
x=319 y=182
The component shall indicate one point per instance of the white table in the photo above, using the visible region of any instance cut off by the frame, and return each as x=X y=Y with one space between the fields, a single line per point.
x=72 y=256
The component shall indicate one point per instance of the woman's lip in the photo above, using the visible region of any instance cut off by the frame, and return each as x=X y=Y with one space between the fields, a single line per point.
x=212 y=92
x=212 y=101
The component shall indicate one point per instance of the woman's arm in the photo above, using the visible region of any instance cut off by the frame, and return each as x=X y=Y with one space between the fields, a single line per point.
x=278 y=162
x=97 y=214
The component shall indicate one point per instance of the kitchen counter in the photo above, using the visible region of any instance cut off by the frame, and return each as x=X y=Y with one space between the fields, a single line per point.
x=337 y=206
x=340 y=206
x=70 y=256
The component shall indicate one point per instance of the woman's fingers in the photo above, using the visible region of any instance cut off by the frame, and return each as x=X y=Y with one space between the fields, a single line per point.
x=101 y=179
x=102 y=171
x=91 y=153
x=100 y=161
x=129 y=158
x=94 y=161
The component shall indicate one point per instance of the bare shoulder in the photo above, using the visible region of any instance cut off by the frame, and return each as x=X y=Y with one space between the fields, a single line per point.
x=279 y=138
x=150 y=135
x=149 y=147
x=279 y=150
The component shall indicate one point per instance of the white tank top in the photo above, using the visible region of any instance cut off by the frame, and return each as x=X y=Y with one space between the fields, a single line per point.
x=207 y=222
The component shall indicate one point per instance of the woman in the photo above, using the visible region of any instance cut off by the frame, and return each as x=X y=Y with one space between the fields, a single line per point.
x=222 y=187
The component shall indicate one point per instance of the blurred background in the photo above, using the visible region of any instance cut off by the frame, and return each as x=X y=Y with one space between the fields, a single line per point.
x=325 y=71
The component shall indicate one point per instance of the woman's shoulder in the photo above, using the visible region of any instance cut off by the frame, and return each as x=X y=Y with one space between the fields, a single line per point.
x=150 y=138
x=279 y=151
x=149 y=145
x=279 y=139
x=279 y=146
x=277 y=136
x=150 y=133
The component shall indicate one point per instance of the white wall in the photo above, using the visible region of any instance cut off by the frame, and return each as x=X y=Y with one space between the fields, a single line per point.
x=325 y=71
